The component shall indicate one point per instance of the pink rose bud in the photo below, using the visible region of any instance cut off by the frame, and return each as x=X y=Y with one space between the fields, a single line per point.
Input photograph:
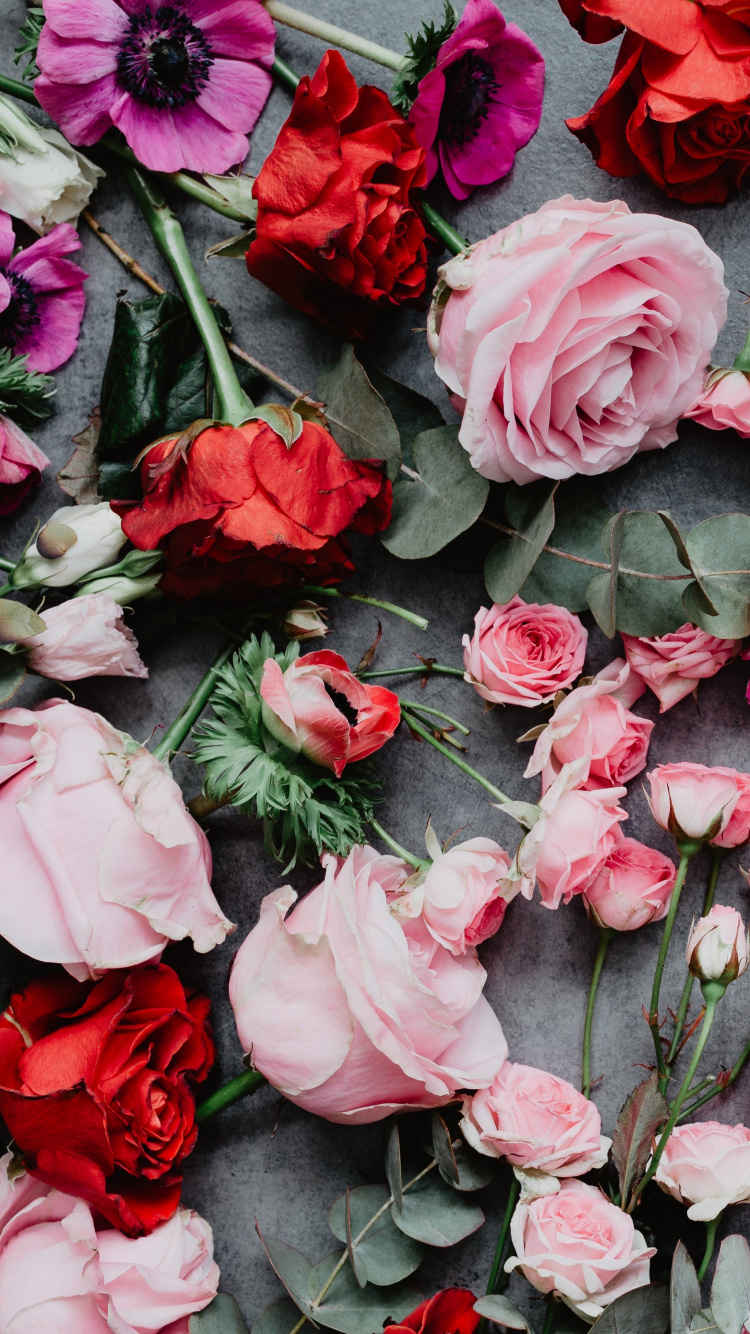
x=724 y=403
x=300 y=711
x=631 y=888
x=691 y=801
x=718 y=949
x=461 y=894
x=523 y=654
x=673 y=665
x=595 y=720
x=736 y=832
x=706 y=1165
x=21 y=465
x=355 y=1012
x=85 y=637
x=579 y=1246
x=540 y=1123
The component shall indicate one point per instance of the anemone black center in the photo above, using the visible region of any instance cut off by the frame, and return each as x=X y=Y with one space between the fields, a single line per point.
x=470 y=89
x=164 y=59
x=343 y=705
x=21 y=315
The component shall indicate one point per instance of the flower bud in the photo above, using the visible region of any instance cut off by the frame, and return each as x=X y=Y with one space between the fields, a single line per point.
x=305 y=621
x=88 y=537
x=43 y=180
x=136 y=576
x=718 y=949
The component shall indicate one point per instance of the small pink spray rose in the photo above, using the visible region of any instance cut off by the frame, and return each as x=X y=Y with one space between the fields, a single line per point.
x=84 y=637
x=673 y=665
x=631 y=888
x=21 y=465
x=693 y=801
x=706 y=1166
x=724 y=403
x=522 y=653
x=460 y=895
x=719 y=948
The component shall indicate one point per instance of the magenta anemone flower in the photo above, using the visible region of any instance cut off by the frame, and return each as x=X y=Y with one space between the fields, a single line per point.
x=481 y=102
x=41 y=296
x=185 y=82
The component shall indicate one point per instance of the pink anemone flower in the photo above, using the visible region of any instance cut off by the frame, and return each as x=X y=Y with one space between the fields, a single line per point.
x=41 y=296
x=481 y=102
x=184 y=82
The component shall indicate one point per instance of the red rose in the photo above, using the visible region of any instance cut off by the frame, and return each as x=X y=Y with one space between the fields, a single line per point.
x=448 y=1312
x=592 y=28
x=337 y=235
x=96 y=1087
x=238 y=511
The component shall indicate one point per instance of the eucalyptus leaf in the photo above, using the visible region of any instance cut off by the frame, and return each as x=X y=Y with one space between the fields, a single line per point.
x=531 y=512
x=442 y=1148
x=437 y=500
x=393 y=1165
x=683 y=555
x=503 y=1313
x=411 y=411
x=641 y=1311
x=603 y=590
x=474 y=1169
x=222 y=1316
x=437 y=1215
x=354 y=1310
x=703 y=1321
x=280 y=1317
x=385 y=1252
x=730 y=1290
x=685 y=1291
x=358 y=416
x=649 y=606
x=721 y=543
x=580 y=516
x=12 y=674
x=292 y=1267
x=18 y=622
x=644 y=1110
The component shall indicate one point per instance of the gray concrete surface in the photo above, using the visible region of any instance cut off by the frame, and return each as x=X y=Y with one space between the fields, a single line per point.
x=540 y=963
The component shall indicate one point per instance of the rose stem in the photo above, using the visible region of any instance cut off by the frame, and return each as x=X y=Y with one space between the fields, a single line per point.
x=239 y=1087
x=734 y=1074
x=605 y=935
x=711 y=1227
x=742 y=360
x=549 y=1319
x=412 y=671
x=233 y=403
x=713 y=992
x=328 y=32
x=192 y=709
x=717 y=857
x=396 y=847
x=687 y=849
x=435 y=713
x=498 y=1279
x=9 y=565
x=415 y=726
x=411 y=616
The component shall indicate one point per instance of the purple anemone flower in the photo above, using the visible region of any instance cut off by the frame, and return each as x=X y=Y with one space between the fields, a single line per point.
x=184 y=82
x=481 y=102
x=41 y=296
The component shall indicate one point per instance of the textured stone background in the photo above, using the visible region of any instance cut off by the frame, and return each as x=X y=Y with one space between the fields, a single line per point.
x=540 y=963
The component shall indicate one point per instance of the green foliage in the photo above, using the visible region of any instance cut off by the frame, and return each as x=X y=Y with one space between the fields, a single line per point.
x=436 y=500
x=386 y=1254
x=29 y=33
x=24 y=394
x=221 y=1316
x=421 y=57
x=305 y=809
x=502 y=1312
x=12 y=674
x=642 y=1311
x=645 y=1109
x=358 y=416
x=730 y=1290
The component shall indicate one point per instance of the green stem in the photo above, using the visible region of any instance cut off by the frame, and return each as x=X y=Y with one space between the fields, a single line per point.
x=233 y=404
x=192 y=709
x=425 y=670
x=415 y=726
x=653 y=1018
x=717 y=857
x=237 y=1088
x=333 y=36
x=396 y=847
x=605 y=935
x=742 y=360
x=8 y=565
x=498 y=1279
x=436 y=713
x=713 y=992
x=451 y=239
x=285 y=75
x=711 y=1227
x=15 y=88
x=411 y=616
x=735 y=1072
x=549 y=1319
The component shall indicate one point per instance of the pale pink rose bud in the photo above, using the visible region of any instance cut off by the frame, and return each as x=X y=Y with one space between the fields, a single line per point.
x=305 y=621
x=461 y=894
x=736 y=832
x=540 y=1123
x=21 y=465
x=724 y=403
x=595 y=720
x=524 y=653
x=579 y=1246
x=692 y=801
x=354 y=1012
x=718 y=949
x=85 y=637
x=706 y=1165
x=631 y=888
x=673 y=665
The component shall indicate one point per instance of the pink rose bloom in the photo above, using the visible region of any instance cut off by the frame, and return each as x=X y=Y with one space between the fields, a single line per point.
x=184 y=83
x=736 y=831
x=575 y=337
x=59 y=1273
x=102 y=863
x=299 y=710
x=523 y=653
x=540 y=1123
x=595 y=720
x=21 y=465
x=692 y=801
x=460 y=896
x=724 y=403
x=41 y=296
x=353 y=1012
x=579 y=1246
x=481 y=102
x=672 y=665
x=706 y=1166
x=84 y=637
x=718 y=949
x=631 y=888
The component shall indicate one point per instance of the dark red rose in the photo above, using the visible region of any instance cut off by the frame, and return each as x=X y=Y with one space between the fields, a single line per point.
x=592 y=28
x=240 y=512
x=448 y=1312
x=96 y=1087
x=337 y=233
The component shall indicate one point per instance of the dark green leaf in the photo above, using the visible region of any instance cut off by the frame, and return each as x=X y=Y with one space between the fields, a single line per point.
x=531 y=512
x=292 y=1268
x=354 y=1310
x=503 y=1313
x=443 y=1149
x=358 y=416
x=386 y=1255
x=721 y=543
x=412 y=412
x=221 y=1316
x=702 y=597
x=685 y=1291
x=393 y=1165
x=642 y=1311
x=12 y=674
x=645 y=1109
x=730 y=1290
x=603 y=589
x=280 y=1317
x=438 y=500
x=580 y=516
x=437 y=1215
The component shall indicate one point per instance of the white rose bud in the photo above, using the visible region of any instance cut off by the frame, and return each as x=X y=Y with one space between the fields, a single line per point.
x=88 y=537
x=718 y=949
x=43 y=180
x=305 y=621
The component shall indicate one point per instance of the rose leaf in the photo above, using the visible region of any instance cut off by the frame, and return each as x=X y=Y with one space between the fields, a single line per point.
x=645 y=1109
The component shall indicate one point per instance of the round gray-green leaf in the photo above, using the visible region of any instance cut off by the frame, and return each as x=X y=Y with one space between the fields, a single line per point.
x=436 y=500
x=387 y=1253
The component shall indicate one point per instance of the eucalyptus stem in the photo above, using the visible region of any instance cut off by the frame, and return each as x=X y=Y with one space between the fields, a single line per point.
x=605 y=935
x=719 y=1086
x=239 y=1087
x=717 y=857
x=687 y=849
x=314 y=591
x=498 y=1279
x=711 y=1226
x=233 y=404
x=394 y=846
x=334 y=36
x=414 y=725
x=427 y=669
x=192 y=709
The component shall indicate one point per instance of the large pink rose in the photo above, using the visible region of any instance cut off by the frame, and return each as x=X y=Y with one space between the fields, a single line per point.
x=724 y=403
x=672 y=665
x=461 y=895
x=575 y=337
x=631 y=888
x=523 y=653
x=540 y=1123
x=59 y=1274
x=102 y=864
x=706 y=1166
x=692 y=801
x=354 y=1012
x=595 y=720
x=579 y=1246
x=85 y=636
